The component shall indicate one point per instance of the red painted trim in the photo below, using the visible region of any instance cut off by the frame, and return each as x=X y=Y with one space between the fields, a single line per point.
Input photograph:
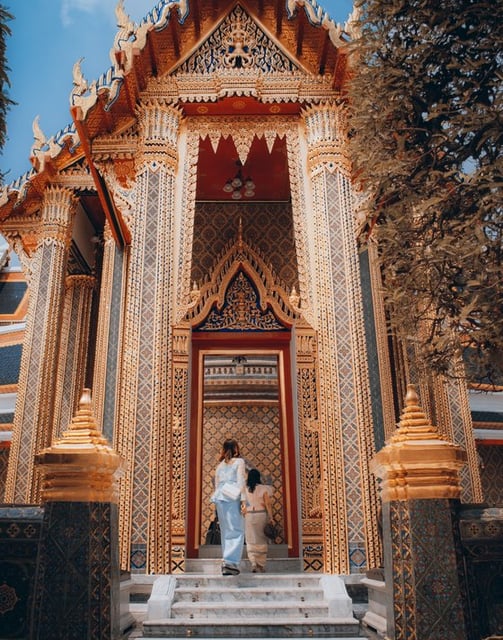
x=261 y=341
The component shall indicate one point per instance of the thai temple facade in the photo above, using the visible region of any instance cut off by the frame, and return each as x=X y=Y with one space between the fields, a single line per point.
x=190 y=249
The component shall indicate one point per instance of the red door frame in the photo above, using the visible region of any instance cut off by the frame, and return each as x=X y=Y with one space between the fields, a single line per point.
x=256 y=342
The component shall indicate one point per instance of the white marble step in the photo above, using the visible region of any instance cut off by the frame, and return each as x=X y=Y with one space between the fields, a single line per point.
x=249 y=609
x=262 y=593
x=274 y=565
x=276 y=628
x=249 y=606
x=248 y=580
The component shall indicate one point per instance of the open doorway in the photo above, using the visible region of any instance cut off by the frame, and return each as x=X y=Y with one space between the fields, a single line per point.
x=242 y=389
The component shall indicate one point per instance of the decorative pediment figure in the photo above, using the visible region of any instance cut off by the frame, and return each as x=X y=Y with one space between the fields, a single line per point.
x=243 y=295
x=241 y=310
x=238 y=43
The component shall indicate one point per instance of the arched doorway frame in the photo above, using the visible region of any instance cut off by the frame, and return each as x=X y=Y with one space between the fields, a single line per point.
x=278 y=344
x=240 y=257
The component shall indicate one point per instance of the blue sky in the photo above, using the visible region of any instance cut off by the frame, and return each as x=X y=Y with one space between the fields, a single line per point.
x=48 y=37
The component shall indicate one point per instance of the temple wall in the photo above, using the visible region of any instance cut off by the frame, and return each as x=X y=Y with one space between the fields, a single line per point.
x=267 y=226
x=491 y=463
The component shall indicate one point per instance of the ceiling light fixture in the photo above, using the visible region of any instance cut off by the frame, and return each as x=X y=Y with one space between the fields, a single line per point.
x=239 y=186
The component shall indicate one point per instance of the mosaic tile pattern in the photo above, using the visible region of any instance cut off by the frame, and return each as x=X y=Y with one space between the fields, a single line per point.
x=491 y=460
x=145 y=441
x=481 y=536
x=372 y=351
x=344 y=270
x=31 y=424
x=78 y=566
x=427 y=594
x=146 y=345
x=74 y=343
x=138 y=558
x=20 y=530
x=257 y=429
x=453 y=419
x=33 y=418
x=267 y=226
x=350 y=501
x=113 y=344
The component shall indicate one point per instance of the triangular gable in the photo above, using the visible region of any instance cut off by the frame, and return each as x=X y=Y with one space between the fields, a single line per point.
x=241 y=310
x=238 y=43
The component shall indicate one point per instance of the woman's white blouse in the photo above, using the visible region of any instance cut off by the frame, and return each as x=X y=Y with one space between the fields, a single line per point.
x=233 y=472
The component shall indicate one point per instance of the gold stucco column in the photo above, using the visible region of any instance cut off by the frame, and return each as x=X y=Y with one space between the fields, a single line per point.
x=349 y=494
x=33 y=418
x=73 y=348
x=108 y=335
x=420 y=488
x=144 y=437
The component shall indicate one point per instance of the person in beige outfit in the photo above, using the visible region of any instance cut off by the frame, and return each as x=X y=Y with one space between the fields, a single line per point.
x=258 y=513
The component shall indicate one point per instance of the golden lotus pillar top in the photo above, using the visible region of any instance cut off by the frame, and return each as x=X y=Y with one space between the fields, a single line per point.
x=417 y=463
x=80 y=466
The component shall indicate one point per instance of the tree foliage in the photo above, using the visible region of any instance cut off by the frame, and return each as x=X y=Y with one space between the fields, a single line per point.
x=426 y=116
x=5 y=101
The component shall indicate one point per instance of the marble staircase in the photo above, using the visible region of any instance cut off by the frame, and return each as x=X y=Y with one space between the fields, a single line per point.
x=271 y=605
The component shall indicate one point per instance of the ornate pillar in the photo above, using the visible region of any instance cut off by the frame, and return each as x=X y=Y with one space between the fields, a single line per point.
x=73 y=348
x=454 y=420
x=351 y=538
x=108 y=336
x=145 y=438
x=77 y=582
x=311 y=510
x=419 y=473
x=33 y=420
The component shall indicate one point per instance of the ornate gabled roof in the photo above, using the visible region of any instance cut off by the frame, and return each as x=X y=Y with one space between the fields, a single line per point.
x=297 y=39
x=173 y=30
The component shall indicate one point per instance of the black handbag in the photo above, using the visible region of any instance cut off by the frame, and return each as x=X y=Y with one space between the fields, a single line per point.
x=213 y=534
x=271 y=530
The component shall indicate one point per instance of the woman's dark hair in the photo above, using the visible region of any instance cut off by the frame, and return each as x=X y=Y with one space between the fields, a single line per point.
x=230 y=449
x=253 y=479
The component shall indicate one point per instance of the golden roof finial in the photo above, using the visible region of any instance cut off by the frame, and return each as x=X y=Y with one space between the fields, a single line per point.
x=80 y=466
x=82 y=428
x=413 y=421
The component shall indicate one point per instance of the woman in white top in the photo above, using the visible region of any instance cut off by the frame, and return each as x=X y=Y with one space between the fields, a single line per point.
x=258 y=513
x=230 y=500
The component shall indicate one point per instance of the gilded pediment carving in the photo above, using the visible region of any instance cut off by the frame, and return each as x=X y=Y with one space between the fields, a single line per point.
x=240 y=58
x=238 y=43
x=243 y=294
x=241 y=310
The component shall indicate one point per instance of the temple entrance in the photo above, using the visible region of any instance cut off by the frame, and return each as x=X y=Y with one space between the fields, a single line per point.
x=242 y=388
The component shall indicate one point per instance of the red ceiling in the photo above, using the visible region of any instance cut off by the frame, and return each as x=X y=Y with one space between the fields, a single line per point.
x=269 y=171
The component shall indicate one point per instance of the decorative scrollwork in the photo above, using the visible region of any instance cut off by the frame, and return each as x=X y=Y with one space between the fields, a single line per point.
x=241 y=310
